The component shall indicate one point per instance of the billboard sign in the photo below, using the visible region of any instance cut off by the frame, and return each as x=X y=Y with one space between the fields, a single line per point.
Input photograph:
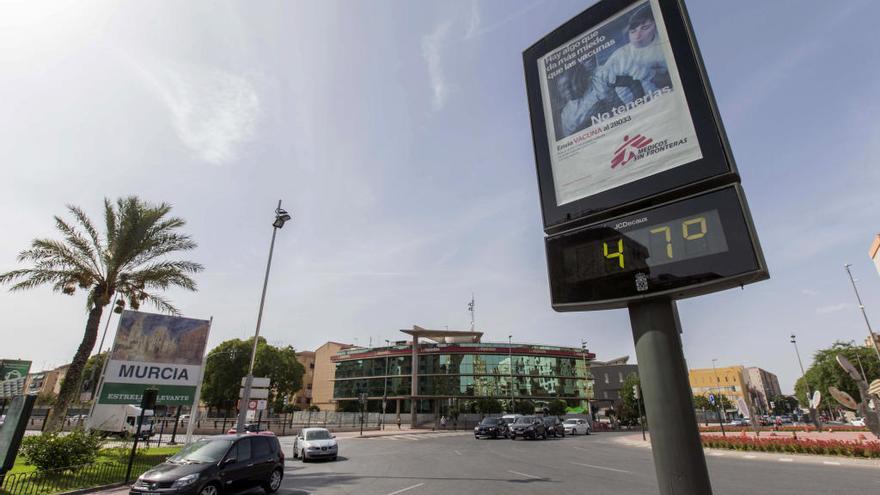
x=13 y=373
x=621 y=112
x=151 y=350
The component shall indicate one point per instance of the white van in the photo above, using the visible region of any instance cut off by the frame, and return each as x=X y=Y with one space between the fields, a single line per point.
x=120 y=419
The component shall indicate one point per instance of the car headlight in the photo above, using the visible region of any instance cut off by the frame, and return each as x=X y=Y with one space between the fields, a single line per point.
x=186 y=480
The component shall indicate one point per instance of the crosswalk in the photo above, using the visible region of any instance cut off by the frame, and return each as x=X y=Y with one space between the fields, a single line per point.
x=418 y=437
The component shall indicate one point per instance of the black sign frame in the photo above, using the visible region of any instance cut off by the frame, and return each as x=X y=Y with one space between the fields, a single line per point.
x=716 y=167
x=742 y=264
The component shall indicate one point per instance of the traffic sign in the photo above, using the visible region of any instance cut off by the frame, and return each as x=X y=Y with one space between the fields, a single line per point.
x=712 y=399
x=256 y=393
x=256 y=382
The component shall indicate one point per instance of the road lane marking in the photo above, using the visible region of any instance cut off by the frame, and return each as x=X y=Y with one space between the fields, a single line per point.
x=457 y=452
x=831 y=463
x=747 y=456
x=716 y=454
x=581 y=448
x=785 y=459
x=600 y=467
x=519 y=474
x=406 y=489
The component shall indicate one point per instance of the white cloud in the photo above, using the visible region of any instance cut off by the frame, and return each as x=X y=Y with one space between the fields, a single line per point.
x=473 y=21
x=809 y=292
x=833 y=308
x=431 y=52
x=212 y=111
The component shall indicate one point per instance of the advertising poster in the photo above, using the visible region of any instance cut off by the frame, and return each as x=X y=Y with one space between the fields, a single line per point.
x=13 y=373
x=155 y=350
x=614 y=105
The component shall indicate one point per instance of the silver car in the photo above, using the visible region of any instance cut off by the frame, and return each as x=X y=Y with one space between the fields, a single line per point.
x=576 y=426
x=315 y=443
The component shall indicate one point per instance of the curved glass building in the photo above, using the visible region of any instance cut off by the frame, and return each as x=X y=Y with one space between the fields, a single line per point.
x=452 y=368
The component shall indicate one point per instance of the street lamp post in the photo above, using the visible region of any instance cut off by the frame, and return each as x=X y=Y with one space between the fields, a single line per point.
x=385 y=390
x=281 y=216
x=862 y=308
x=586 y=373
x=510 y=368
x=813 y=413
x=720 y=405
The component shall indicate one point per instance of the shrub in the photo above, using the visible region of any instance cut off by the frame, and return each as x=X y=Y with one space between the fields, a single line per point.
x=794 y=445
x=54 y=451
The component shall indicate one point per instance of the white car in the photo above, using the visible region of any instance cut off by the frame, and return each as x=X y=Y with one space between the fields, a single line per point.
x=857 y=422
x=315 y=443
x=576 y=426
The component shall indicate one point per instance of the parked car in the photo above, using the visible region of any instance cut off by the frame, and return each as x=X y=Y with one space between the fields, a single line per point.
x=491 y=428
x=739 y=422
x=554 y=426
x=577 y=426
x=857 y=421
x=215 y=464
x=315 y=443
x=528 y=427
x=250 y=428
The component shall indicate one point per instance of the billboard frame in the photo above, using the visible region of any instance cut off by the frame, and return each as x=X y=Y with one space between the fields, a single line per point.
x=716 y=167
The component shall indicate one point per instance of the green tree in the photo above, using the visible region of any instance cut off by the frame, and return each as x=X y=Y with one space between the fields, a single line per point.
x=629 y=412
x=524 y=407
x=487 y=405
x=556 y=407
x=702 y=402
x=128 y=261
x=825 y=372
x=228 y=363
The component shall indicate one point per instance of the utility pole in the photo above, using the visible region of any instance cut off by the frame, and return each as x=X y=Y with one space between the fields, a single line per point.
x=862 y=309
x=719 y=406
x=510 y=368
x=813 y=412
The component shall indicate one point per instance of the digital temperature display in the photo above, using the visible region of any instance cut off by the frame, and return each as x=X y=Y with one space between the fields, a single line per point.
x=688 y=247
x=677 y=240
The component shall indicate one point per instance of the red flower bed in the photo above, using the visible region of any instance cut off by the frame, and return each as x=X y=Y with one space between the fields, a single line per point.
x=791 y=445
x=830 y=428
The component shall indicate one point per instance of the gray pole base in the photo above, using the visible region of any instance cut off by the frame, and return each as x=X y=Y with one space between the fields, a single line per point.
x=675 y=437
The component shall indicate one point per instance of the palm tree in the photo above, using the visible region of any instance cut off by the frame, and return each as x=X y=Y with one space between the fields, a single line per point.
x=127 y=261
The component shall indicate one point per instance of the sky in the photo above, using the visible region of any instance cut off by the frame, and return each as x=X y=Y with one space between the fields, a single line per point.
x=397 y=135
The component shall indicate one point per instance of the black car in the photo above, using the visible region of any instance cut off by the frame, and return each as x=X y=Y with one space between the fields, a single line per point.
x=528 y=427
x=491 y=428
x=215 y=465
x=554 y=426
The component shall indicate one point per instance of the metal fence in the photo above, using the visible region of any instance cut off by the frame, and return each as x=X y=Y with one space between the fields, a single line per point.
x=74 y=478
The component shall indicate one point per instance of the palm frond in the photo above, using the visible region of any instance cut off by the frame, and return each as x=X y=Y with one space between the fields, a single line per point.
x=90 y=229
x=162 y=304
x=83 y=249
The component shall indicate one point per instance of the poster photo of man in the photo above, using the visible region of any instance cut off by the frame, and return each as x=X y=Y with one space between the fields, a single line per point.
x=613 y=105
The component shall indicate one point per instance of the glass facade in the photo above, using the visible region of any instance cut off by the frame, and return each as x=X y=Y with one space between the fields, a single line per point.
x=465 y=375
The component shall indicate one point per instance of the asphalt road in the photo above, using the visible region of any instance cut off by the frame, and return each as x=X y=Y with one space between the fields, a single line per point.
x=450 y=463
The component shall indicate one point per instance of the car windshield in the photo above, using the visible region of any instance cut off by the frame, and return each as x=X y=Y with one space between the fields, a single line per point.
x=202 y=451
x=490 y=421
x=318 y=435
x=571 y=421
x=525 y=420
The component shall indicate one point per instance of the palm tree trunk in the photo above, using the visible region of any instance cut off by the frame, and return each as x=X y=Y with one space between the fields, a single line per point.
x=70 y=387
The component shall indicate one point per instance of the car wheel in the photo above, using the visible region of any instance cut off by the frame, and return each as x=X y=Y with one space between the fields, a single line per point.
x=302 y=455
x=274 y=482
x=209 y=489
x=333 y=458
x=513 y=437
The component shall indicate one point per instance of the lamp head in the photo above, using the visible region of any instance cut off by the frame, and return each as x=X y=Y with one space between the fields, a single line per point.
x=281 y=216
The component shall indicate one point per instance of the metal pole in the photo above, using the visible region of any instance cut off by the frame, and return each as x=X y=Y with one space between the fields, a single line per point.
x=174 y=430
x=719 y=406
x=510 y=367
x=675 y=438
x=813 y=413
x=385 y=391
x=134 y=446
x=862 y=308
x=249 y=380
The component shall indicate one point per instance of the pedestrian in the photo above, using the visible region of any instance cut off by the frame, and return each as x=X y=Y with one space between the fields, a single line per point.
x=443 y=422
x=398 y=421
